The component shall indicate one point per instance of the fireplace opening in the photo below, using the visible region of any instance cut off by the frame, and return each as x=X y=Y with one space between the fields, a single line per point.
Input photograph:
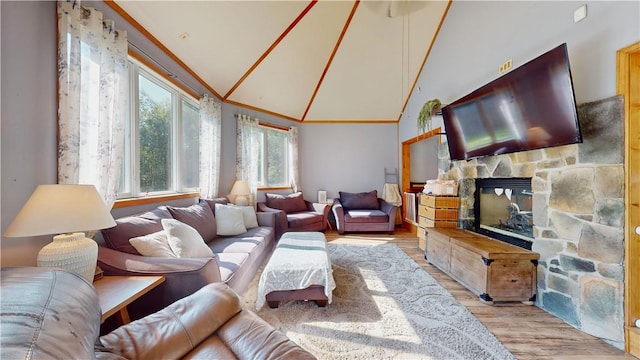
x=503 y=210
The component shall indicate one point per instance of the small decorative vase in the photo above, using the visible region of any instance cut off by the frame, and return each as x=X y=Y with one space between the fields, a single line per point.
x=72 y=252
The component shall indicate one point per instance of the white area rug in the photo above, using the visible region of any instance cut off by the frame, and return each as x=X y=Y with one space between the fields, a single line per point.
x=384 y=307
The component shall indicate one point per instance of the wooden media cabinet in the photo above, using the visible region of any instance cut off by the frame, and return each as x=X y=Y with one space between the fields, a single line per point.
x=492 y=269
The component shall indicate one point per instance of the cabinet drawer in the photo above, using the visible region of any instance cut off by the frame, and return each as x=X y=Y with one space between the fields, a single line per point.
x=429 y=223
x=422 y=239
x=441 y=214
x=422 y=210
x=443 y=202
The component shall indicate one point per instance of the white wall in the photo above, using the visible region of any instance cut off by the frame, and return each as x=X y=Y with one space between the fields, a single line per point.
x=346 y=157
x=478 y=36
x=28 y=115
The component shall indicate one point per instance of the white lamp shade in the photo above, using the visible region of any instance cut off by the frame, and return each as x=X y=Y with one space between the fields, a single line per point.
x=240 y=187
x=68 y=210
x=241 y=192
x=56 y=209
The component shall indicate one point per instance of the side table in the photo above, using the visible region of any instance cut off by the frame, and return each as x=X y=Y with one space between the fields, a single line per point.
x=116 y=292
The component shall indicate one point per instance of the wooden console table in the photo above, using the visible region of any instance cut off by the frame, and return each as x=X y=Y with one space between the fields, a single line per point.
x=491 y=269
x=116 y=292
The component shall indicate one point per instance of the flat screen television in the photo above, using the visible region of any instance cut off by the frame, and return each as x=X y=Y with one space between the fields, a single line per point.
x=531 y=107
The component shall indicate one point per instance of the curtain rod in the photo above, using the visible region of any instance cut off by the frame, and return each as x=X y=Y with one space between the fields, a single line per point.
x=169 y=73
x=265 y=124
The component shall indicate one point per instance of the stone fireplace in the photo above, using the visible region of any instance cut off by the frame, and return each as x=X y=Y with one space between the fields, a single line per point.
x=577 y=213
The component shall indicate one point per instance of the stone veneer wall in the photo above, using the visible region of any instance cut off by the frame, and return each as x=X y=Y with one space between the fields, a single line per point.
x=578 y=215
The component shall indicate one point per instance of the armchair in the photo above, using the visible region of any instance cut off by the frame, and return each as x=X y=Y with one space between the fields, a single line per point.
x=293 y=213
x=363 y=212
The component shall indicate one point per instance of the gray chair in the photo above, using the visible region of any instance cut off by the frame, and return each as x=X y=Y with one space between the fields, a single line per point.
x=363 y=212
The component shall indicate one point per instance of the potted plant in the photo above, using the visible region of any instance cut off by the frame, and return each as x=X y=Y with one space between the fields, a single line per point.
x=428 y=110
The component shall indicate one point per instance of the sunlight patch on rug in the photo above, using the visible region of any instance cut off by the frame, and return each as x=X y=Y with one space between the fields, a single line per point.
x=384 y=306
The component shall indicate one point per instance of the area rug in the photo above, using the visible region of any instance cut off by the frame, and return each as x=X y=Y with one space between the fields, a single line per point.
x=384 y=307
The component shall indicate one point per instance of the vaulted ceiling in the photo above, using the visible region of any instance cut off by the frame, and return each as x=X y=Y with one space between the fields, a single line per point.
x=312 y=61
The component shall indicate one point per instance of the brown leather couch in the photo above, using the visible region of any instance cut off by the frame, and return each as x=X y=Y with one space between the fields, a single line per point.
x=53 y=314
x=293 y=213
x=363 y=212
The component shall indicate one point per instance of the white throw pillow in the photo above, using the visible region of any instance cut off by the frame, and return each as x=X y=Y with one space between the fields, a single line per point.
x=184 y=240
x=154 y=244
x=248 y=216
x=229 y=220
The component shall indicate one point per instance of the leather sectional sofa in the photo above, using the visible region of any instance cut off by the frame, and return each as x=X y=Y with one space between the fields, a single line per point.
x=235 y=261
x=53 y=314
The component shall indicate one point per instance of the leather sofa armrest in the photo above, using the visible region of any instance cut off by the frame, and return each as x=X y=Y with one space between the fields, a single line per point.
x=183 y=276
x=281 y=222
x=250 y=337
x=390 y=210
x=386 y=207
x=174 y=331
x=338 y=214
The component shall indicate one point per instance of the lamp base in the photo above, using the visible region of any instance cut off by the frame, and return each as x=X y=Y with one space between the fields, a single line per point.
x=72 y=252
x=242 y=200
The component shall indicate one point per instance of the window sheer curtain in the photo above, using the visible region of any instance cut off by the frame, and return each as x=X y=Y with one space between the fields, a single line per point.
x=210 y=139
x=92 y=91
x=247 y=149
x=294 y=170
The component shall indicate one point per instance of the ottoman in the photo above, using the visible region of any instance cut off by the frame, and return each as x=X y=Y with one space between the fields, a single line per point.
x=299 y=269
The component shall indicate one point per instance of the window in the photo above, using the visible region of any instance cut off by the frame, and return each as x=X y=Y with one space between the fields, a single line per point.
x=273 y=164
x=162 y=147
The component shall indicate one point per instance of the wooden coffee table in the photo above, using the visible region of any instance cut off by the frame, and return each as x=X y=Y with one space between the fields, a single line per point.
x=116 y=292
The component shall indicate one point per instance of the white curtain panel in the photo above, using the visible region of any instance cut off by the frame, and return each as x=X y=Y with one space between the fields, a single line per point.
x=248 y=146
x=294 y=171
x=93 y=85
x=210 y=140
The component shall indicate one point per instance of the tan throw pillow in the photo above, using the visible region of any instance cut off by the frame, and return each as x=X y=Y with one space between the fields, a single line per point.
x=184 y=240
x=248 y=215
x=229 y=220
x=154 y=244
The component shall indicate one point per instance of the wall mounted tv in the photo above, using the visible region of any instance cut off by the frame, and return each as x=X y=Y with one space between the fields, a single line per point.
x=531 y=107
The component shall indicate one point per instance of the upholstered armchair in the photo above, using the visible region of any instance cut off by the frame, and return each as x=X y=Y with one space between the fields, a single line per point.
x=293 y=213
x=363 y=212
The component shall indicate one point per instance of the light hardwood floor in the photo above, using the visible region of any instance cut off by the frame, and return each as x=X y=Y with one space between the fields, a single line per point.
x=529 y=332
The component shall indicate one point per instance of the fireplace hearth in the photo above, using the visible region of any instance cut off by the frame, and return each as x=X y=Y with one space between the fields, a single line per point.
x=503 y=210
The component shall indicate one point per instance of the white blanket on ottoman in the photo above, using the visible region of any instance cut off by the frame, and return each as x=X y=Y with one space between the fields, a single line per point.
x=299 y=261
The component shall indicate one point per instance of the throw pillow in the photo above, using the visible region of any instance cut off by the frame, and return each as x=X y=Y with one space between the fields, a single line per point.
x=184 y=240
x=290 y=203
x=199 y=216
x=229 y=220
x=128 y=227
x=155 y=244
x=248 y=215
x=360 y=201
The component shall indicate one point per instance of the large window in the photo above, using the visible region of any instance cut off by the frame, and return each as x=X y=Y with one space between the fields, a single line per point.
x=162 y=151
x=273 y=165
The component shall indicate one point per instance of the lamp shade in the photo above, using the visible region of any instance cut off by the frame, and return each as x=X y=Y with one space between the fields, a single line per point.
x=241 y=190
x=61 y=208
x=240 y=187
x=67 y=210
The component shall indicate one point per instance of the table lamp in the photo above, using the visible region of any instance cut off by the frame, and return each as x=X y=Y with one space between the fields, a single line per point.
x=241 y=191
x=67 y=210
